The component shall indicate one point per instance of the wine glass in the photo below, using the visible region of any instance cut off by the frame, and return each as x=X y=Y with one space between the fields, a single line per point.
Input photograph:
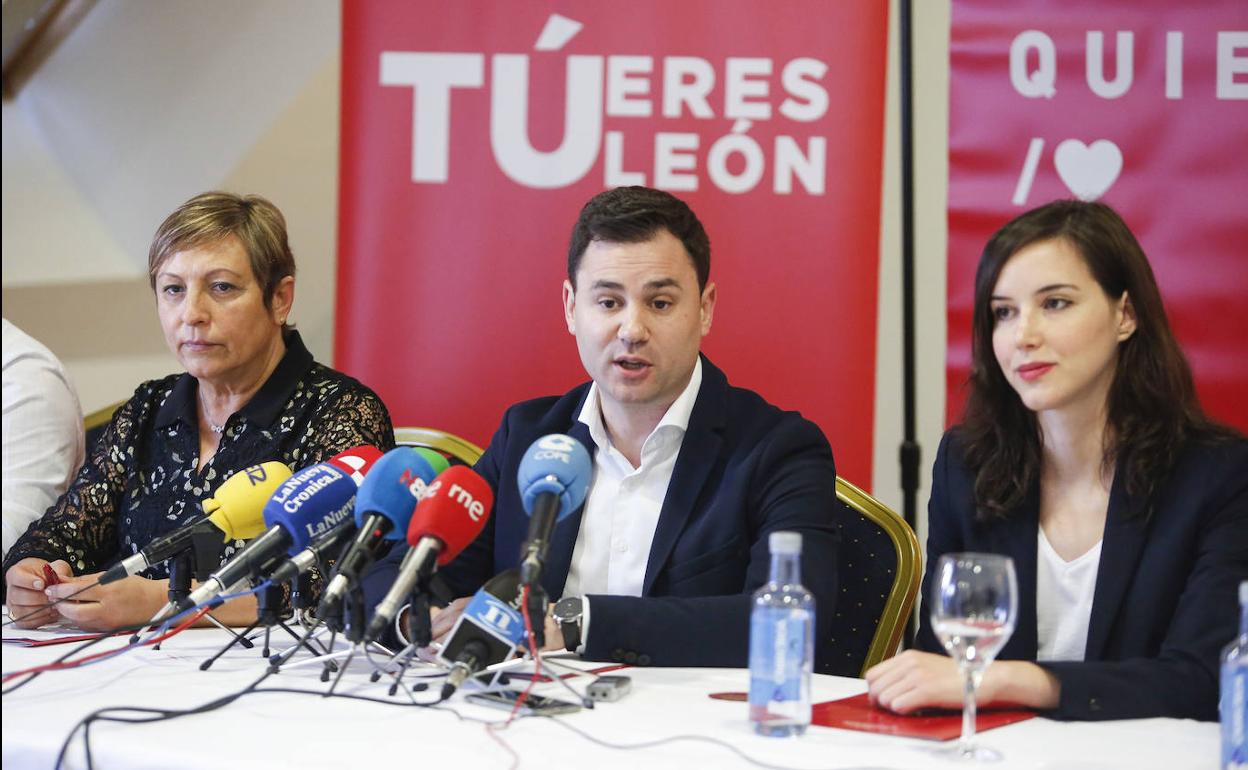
x=974 y=607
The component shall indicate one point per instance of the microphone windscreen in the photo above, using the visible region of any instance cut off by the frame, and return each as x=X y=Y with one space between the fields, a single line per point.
x=436 y=459
x=310 y=503
x=453 y=510
x=237 y=507
x=556 y=464
x=392 y=488
x=356 y=461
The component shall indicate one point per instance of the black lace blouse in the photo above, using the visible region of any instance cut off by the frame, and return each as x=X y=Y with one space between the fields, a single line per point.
x=142 y=478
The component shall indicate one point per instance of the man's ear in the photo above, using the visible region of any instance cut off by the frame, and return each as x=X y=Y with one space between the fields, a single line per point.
x=569 y=305
x=709 y=295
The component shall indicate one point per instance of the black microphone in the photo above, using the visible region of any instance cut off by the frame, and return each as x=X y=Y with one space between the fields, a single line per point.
x=488 y=632
x=234 y=512
x=383 y=509
x=314 y=501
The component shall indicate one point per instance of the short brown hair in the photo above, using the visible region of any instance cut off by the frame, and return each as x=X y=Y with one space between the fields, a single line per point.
x=212 y=216
x=634 y=215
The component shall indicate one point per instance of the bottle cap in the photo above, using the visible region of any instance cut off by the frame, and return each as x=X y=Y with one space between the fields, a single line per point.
x=785 y=542
x=1243 y=590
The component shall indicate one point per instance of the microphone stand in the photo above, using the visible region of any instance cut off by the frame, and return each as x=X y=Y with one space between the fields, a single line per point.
x=268 y=615
x=419 y=630
x=185 y=565
x=537 y=603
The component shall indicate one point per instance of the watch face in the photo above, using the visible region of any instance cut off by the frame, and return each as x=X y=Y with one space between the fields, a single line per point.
x=567 y=608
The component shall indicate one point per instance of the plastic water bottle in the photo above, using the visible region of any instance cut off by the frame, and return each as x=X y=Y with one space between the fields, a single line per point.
x=1234 y=702
x=782 y=644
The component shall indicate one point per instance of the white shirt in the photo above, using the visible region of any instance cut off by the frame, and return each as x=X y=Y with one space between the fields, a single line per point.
x=43 y=435
x=1064 y=591
x=623 y=505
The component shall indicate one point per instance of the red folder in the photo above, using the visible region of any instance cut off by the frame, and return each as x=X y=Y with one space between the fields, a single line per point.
x=857 y=713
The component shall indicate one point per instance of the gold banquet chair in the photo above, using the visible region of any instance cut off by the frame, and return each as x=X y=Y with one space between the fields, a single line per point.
x=880 y=566
x=94 y=424
x=439 y=440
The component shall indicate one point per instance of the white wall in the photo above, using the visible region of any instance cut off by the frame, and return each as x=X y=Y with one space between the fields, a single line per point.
x=149 y=103
x=142 y=106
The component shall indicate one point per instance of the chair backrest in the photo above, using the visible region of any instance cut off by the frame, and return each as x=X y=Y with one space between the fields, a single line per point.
x=94 y=424
x=447 y=443
x=880 y=569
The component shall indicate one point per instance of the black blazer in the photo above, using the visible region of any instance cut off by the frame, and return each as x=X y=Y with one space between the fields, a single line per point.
x=1165 y=601
x=745 y=469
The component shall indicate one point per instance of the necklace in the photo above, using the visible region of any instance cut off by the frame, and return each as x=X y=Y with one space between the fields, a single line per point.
x=217 y=429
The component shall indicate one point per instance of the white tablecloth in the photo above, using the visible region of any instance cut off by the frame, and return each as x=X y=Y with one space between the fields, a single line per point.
x=268 y=730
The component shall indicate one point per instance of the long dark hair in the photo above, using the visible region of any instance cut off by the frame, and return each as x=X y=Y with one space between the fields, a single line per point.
x=1152 y=409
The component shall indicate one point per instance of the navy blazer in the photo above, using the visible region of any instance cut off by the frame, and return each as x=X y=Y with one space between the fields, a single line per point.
x=745 y=469
x=1165 y=601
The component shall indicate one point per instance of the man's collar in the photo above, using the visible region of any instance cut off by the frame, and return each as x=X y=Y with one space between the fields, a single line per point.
x=677 y=415
x=263 y=408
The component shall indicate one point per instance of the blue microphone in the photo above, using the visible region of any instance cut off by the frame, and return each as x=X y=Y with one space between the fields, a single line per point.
x=310 y=503
x=383 y=509
x=553 y=480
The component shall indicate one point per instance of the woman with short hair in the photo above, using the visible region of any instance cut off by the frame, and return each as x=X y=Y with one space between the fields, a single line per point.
x=224 y=279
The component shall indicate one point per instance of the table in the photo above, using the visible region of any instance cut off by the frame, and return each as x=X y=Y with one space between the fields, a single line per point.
x=276 y=729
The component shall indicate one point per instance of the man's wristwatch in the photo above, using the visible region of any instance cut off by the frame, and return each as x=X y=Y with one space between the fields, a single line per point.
x=568 y=612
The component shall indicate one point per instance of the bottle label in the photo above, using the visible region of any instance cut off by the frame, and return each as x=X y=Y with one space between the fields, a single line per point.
x=778 y=642
x=1234 y=708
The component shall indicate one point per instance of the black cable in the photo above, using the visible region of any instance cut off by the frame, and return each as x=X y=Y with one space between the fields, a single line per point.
x=160 y=715
x=80 y=648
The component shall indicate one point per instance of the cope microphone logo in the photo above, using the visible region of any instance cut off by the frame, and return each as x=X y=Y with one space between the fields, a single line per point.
x=556 y=446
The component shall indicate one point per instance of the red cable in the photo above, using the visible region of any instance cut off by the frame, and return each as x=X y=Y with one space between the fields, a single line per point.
x=80 y=661
x=537 y=658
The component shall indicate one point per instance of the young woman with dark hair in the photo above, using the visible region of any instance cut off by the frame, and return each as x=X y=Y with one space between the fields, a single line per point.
x=1083 y=453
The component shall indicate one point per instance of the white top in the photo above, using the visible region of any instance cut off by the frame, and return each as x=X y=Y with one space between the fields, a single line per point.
x=1064 y=591
x=43 y=436
x=623 y=505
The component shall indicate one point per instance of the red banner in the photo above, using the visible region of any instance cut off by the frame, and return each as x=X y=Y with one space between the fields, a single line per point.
x=1143 y=105
x=473 y=132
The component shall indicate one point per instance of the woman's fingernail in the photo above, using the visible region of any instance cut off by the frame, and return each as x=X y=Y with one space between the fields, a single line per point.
x=38 y=584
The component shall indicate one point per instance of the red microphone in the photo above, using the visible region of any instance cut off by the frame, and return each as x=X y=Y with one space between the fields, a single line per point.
x=356 y=461
x=449 y=517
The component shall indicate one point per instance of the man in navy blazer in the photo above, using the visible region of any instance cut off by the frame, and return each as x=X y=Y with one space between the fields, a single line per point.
x=690 y=474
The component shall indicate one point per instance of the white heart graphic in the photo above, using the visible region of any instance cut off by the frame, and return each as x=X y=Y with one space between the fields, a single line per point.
x=1088 y=170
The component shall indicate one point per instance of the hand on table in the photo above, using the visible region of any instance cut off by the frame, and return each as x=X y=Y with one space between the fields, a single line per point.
x=914 y=680
x=126 y=602
x=25 y=595
x=443 y=620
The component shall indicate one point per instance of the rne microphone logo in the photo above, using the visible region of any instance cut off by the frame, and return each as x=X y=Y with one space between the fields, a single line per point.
x=639 y=93
x=464 y=498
